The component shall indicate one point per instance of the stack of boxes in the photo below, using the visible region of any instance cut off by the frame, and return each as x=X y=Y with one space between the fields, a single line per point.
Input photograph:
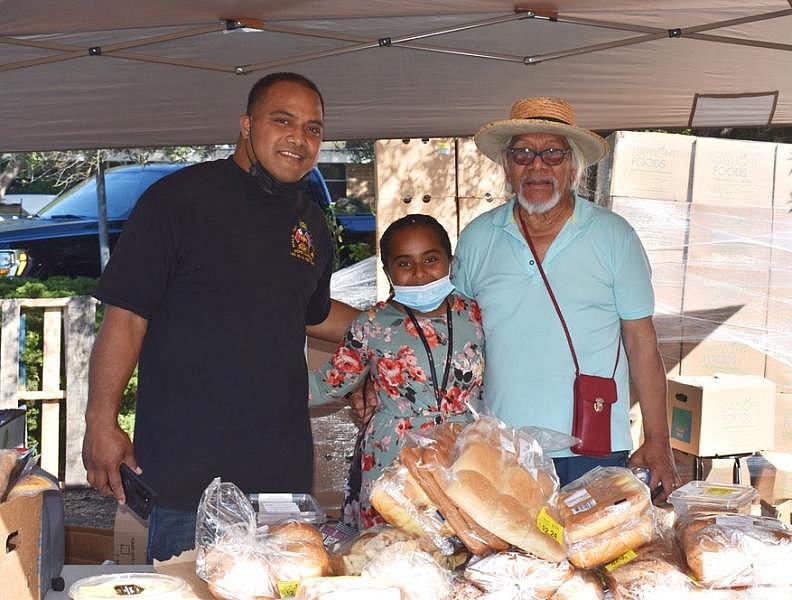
x=716 y=219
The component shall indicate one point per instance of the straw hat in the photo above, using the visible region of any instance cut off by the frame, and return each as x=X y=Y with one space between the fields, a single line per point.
x=540 y=115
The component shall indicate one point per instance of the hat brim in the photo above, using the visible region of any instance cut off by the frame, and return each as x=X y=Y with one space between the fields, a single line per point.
x=493 y=138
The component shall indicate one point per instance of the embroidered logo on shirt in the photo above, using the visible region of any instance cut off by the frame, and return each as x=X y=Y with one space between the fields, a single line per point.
x=302 y=243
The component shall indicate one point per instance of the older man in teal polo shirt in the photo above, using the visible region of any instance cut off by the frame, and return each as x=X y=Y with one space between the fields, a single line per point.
x=601 y=279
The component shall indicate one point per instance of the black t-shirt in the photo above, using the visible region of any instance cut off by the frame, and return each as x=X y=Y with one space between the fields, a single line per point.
x=227 y=277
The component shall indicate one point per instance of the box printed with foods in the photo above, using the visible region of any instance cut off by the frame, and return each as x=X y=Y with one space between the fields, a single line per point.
x=721 y=414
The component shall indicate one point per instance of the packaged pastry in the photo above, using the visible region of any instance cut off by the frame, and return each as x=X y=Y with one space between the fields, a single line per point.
x=583 y=585
x=655 y=570
x=500 y=478
x=731 y=550
x=605 y=513
x=414 y=572
x=525 y=575
x=704 y=496
x=140 y=585
x=401 y=501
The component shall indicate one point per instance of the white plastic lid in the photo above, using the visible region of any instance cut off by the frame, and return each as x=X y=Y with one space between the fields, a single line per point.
x=715 y=496
x=125 y=585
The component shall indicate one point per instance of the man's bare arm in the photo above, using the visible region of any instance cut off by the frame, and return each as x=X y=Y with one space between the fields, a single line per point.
x=113 y=359
x=338 y=320
x=648 y=376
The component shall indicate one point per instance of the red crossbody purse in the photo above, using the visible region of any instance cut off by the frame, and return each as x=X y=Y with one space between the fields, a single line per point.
x=593 y=395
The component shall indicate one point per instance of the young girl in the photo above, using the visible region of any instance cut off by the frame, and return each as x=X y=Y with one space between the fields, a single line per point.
x=424 y=349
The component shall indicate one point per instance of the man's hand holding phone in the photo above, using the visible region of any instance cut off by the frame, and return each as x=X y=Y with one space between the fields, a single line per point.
x=139 y=496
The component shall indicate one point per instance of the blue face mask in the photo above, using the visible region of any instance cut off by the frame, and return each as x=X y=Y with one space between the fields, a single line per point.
x=423 y=298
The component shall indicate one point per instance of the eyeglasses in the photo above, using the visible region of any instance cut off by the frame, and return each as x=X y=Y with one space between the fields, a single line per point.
x=552 y=157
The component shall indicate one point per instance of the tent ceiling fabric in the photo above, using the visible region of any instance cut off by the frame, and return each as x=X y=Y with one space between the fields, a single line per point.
x=167 y=73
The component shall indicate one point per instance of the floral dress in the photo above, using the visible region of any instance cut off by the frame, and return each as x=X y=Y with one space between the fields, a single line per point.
x=385 y=343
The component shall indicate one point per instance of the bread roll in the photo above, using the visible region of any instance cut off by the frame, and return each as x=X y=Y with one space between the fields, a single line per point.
x=730 y=550
x=656 y=571
x=31 y=485
x=610 y=545
x=296 y=531
x=8 y=460
x=368 y=544
x=601 y=500
x=401 y=501
x=296 y=561
x=583 y=585
x=532 y=576
x=233 y=574
x=502 y=497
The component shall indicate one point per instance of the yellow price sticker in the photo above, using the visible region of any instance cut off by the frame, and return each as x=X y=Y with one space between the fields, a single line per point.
x=287 y=588
x=549 y=526
x=718 y=491
x=622 y=560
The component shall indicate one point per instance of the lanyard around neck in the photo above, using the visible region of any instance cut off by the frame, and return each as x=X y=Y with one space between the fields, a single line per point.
x=439 y=391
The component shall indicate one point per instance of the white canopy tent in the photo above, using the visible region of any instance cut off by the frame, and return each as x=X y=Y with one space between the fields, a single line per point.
x=87 y=74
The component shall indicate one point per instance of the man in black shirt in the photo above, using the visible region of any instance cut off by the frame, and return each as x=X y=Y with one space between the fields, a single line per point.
x=219 y=271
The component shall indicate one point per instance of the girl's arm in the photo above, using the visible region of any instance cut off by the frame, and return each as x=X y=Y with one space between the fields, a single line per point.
x=345 y=370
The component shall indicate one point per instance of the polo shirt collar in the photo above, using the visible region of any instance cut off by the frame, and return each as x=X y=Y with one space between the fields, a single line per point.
x=581 y=215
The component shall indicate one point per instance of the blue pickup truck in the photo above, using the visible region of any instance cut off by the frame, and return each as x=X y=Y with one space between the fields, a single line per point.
x=62 y=238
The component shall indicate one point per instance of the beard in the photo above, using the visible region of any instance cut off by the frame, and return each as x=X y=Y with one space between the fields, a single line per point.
x=533 y=208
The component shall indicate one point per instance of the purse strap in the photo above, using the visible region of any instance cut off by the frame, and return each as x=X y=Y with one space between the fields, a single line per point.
x=555 y=302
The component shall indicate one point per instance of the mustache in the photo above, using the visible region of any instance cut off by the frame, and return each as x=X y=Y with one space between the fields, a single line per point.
x=533 y=179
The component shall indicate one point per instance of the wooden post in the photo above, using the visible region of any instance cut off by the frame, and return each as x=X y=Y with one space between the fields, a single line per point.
x=9 y=354
x=50 y=382
x=79 y=320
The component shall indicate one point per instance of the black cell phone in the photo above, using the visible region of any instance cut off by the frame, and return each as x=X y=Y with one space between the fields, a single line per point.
x=140 y=496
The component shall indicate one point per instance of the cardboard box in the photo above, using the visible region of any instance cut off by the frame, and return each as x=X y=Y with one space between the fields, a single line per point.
x=782 y=190
x=771 y=475
x=648 y=165
x=88 y=545
x=781 y=511
x=130 y=537
x=733 y=172
x=782 y=440
x=720 y=415
x=709 y=357
x=20 y=547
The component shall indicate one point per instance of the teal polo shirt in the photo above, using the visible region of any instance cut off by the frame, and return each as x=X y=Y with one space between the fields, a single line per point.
x=600 y=275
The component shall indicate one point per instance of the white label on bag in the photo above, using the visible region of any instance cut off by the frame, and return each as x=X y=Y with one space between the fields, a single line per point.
x=584 y=507
x=577 y=497
x=262 y=498
x=279 y=507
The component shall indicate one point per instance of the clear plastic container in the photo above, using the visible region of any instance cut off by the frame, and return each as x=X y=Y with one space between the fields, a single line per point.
x=116 y=585
x=275 y=508
x=705 y=496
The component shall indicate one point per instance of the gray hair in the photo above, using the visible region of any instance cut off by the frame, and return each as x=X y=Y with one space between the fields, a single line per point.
x=577 y=164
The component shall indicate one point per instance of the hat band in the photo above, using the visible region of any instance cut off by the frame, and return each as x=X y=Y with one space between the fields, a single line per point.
x=554 y=119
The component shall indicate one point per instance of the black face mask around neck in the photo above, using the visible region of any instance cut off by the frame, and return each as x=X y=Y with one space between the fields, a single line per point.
x=272 y=186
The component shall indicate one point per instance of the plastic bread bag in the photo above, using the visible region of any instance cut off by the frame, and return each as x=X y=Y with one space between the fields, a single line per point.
x=401 y=501
x=15 y=464
x=501 y=478
x=655 y=570
x=351 y=557
x=35 y=482
x=583 y=585
x=518 y=576
x=600 y=500
x=426 y=457
x=731 y=550
x=415 y=572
